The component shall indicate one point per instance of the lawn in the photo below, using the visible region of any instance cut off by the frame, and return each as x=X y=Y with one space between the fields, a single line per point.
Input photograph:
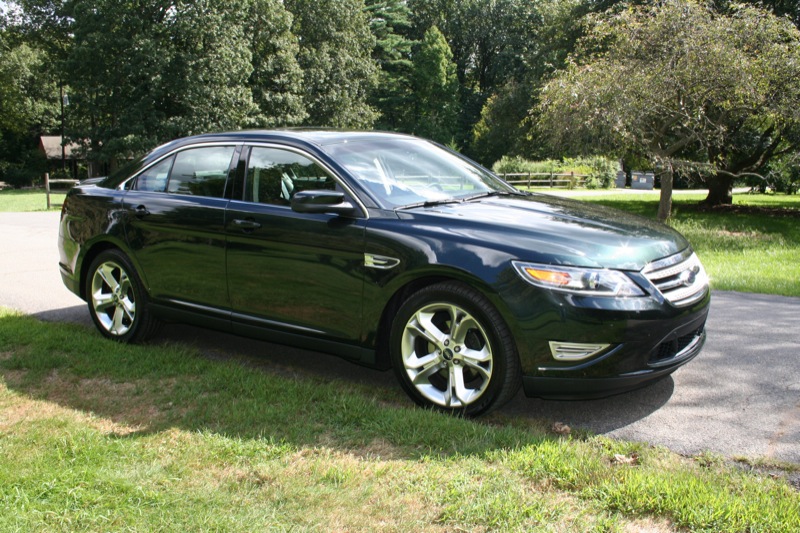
x=753 y=247
x=99 y=436
x=13 y=200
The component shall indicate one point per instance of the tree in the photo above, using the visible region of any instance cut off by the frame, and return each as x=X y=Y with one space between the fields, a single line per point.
x=390 y=24
x=28 y=109
x=277 y=79
x=682 y=85
x=504 y=124
x=435 y=88
x=335 y=55
x=489 y=40
x=142 y=72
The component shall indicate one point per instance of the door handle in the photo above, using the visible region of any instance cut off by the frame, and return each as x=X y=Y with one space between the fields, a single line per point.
x=246 y=225
x=141 y=211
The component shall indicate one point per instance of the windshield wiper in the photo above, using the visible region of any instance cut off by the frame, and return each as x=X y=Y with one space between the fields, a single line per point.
x=431 y=203
x=489 y=194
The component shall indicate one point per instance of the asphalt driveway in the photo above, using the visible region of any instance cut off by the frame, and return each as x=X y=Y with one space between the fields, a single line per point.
x=739 y=397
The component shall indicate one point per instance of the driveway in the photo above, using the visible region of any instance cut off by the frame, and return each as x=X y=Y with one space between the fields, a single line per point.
x=739 y=397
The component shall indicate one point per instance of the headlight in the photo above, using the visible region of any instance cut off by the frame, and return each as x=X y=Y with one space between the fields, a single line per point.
x=588 y=281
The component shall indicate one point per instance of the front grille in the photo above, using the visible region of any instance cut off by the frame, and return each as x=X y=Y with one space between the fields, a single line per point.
x=680 y=278
x=670 y=349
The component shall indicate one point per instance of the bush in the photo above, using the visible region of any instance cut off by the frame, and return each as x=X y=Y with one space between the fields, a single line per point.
x=599 y=171
x=25 y=172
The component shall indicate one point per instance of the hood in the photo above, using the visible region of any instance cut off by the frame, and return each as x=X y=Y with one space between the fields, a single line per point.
x=547 y=229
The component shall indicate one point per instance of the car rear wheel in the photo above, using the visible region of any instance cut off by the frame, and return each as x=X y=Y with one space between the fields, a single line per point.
x=117 y=300
x=452 y=351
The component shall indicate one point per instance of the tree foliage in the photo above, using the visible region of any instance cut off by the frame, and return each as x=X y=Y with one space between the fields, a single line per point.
x=335 y=55
x=710 y=86
x=393 y=94
x=681 y=84
x=435 y=88
x=28 y=108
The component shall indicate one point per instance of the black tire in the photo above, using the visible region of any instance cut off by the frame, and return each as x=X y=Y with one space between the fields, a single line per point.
x=468 y=369
x=117 y=300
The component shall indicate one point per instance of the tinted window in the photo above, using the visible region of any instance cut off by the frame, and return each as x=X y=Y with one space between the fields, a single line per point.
x=201 y=171
x=155 y=178
x=275 y=175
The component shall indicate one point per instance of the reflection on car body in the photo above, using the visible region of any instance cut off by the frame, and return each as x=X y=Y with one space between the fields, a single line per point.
x=390 y=251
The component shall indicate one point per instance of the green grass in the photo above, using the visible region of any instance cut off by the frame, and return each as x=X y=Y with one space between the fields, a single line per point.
x=29 y=200
x=98 y=436
x=742 y=251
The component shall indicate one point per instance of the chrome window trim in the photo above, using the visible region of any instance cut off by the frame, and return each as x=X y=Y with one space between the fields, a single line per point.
x=123 y=186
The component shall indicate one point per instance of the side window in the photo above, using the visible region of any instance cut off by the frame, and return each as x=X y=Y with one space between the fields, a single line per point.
x=275 y=175
x=201 y=171
x=155 y=178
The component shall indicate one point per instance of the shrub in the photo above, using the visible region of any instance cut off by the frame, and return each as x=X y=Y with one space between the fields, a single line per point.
x=599 y=171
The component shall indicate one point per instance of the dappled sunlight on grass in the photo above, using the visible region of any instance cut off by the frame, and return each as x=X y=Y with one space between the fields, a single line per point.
x=97 y=435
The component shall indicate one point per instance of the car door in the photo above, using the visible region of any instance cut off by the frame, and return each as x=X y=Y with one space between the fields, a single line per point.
x=287 y=271
x=176 y=228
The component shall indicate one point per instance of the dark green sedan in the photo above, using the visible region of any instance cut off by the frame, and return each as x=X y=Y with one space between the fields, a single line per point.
x=390 y=251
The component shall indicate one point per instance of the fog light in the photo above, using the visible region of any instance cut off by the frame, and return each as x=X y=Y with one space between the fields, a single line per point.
x=574 y=351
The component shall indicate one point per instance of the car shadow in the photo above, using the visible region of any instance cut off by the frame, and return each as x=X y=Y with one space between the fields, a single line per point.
x=76 y=314
x=600 y=415
x=597 y=416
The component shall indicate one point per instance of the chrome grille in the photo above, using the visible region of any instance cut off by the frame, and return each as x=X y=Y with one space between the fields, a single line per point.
x=680 y=278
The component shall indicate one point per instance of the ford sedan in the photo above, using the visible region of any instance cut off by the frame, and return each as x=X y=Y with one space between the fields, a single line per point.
x=390 y=251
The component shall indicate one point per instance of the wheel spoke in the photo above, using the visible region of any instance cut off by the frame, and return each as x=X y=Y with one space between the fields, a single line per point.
x=117 y=326
x=423 y=331
x=424 y=324
x=448 y=392
x=457 y=377
x=462 y=327
x=414 y=361
x=478 y=356
x=102 y=300
x=422 y=377
x=477 y=368
x=124 y=283
x=106 y=272
x=129 y=307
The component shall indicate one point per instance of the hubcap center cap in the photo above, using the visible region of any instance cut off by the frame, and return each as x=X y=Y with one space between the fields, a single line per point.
x=448 y=354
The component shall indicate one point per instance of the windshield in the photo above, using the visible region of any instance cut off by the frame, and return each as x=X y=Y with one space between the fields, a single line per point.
x=409 y=172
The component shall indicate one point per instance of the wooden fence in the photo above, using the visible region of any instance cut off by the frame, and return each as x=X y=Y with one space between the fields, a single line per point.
x=546 y=179
x=48 y=182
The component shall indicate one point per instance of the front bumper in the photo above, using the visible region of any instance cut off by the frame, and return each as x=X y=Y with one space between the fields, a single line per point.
x=576 y=384
x=648 y=339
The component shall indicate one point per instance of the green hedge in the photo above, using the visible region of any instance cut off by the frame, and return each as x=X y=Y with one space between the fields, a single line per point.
x=599 y=171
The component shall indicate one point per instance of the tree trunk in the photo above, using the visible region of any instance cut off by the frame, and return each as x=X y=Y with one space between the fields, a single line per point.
x=665 y=202
x=720 y=191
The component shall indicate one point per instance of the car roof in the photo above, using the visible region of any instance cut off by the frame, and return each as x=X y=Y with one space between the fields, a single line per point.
x=310 y=137
x=315 y=136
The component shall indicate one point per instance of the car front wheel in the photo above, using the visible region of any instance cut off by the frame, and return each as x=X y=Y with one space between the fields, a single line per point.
x=451 y=350
x=117 y=300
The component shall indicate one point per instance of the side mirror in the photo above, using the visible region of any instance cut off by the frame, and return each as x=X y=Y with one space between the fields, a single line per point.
x=323 y=202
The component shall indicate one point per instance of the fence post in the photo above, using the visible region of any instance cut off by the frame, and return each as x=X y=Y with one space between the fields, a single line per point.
x=529 y=179
x=551 y=179
x=47 y=188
